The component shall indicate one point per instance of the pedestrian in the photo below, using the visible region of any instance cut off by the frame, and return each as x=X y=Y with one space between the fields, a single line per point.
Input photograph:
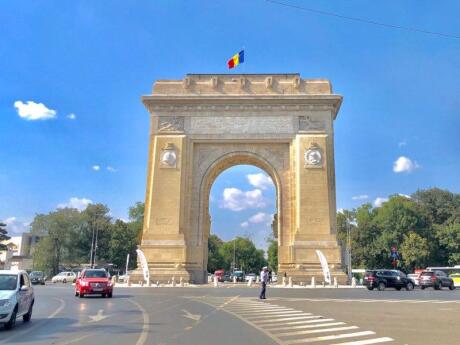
x=263 y=281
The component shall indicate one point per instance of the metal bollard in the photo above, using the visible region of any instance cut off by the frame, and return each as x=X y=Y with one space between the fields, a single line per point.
x=173 y=281
x=353 y=282
x=290 y=281
x=181 y=281
x=216 y=283
x=234 y=279
x=313 y=282
x=158 y=283
x=257 y=279
x=336 y=283
x=284 y=281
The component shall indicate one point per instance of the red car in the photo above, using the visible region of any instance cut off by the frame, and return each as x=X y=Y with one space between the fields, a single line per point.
x=93 y=282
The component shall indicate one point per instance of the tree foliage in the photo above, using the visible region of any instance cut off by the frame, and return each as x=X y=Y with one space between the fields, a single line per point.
x=215 y=258
x=3 y=235
x=425 y=228
x=68 y=235
x=272 y=254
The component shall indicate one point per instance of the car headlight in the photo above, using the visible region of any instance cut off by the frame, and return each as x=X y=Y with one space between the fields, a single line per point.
x=5 y=303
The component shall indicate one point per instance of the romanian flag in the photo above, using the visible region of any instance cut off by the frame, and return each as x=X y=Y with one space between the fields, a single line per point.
x=236 y=60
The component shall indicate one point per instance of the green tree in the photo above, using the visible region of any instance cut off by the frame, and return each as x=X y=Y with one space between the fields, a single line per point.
x=61 y=228
x=272 y=254
x=449 y=238
x=248 y=257
x=3 y=235
x=136 y=219
x=123 y=241
x=215 y=259
x=440 y=205
x=415 y=251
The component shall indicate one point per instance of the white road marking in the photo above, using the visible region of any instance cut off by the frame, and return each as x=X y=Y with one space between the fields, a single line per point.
x=316 y=319
x=189 y=315
x=368 y=341
x=284 y=319
x=99 y=316
x=312 y=331
x=271 y=311
x=146 y=322
x=280 y=314
x=317 y=325
x=59 y=309
x=329 y=337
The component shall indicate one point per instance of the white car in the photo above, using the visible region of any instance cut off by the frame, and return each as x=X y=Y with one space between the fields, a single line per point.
x=250 y=276
x=16 y=297
x=64 y=277
x=415 y=278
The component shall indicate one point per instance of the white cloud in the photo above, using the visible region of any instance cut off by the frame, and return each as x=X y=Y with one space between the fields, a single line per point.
x=360 y=197
x=111 y=169
x=96 y=167
x=261 y=217
x=236 y=200
x=341 y=210
x=244 y=224
x=402 y=143
x=404 y=164
x=15 y=227
x=260 y=180
x=34 y=111
x=78 y=203
x=379 y=201
x=405 y=195
x=71 y=116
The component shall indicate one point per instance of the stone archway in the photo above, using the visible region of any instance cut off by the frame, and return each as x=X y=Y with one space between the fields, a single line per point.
x=205 y=124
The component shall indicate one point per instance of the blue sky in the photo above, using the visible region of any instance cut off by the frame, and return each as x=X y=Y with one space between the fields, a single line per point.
x=94 y=59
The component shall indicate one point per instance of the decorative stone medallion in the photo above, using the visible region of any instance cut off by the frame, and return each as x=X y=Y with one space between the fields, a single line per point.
x=168 y=156
x=313 y=157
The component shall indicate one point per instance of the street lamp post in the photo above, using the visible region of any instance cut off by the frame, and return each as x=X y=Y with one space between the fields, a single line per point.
x=349 y=268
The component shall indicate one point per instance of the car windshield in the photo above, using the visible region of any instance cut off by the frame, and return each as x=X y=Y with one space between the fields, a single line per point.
x=427 y=274
x=8 y=282
x=36 y=274
x=62 y=274
x=95 y=274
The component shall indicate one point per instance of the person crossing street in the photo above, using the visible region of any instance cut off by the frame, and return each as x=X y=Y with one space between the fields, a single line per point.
x=263 y=282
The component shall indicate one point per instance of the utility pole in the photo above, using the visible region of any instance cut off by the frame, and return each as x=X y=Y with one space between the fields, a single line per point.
x=95 y=245
x=349 y=268
x=92 y=247
x=234 y=255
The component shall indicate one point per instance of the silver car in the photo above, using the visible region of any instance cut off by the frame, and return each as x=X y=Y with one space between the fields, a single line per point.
x=16 y=297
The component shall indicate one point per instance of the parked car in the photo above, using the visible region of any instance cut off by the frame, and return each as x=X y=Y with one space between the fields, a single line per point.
x=64 y=277
x=456 y=278
x=37 y=277
x=250 y=276
x=94 y=282
x=16 y=297
x=239 y=275
x=436 y=279
x=415 y=278
x=220 y=275
x=382 y=279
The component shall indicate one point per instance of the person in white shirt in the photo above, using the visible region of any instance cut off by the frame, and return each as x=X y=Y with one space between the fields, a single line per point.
x=263 y=281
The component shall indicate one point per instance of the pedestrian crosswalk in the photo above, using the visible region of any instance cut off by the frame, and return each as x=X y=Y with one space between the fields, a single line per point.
x=289 y=326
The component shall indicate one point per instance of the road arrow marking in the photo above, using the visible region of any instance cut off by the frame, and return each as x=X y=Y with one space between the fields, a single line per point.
x=195 y=317
x=98 y=316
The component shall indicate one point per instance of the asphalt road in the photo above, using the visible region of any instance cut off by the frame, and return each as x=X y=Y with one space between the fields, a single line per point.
x=206 y=315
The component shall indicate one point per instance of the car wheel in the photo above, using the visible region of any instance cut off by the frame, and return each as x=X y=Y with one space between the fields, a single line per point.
x=12 y=322
x=76 y=293
x=370 y=288
x=409 y=286
x=28 y=316
x=64 y=281
x=110 y=295
x=381 y=286
x=452 y=286
x=81 y=295
x=422 y=287
x=437 y=286
x=398 y=288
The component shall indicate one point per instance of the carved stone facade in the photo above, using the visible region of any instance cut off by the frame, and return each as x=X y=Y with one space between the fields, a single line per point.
x=204 y=124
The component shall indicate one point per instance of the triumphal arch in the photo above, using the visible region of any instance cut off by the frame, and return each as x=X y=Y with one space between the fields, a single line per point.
x=206 y=123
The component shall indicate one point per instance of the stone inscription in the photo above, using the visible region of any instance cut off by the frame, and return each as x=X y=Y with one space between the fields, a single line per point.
x=240 y=124
x=171 y=124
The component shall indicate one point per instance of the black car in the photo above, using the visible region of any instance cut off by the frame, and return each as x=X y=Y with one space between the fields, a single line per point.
x=37 y=277
x=435 y=279
x=382 y=279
